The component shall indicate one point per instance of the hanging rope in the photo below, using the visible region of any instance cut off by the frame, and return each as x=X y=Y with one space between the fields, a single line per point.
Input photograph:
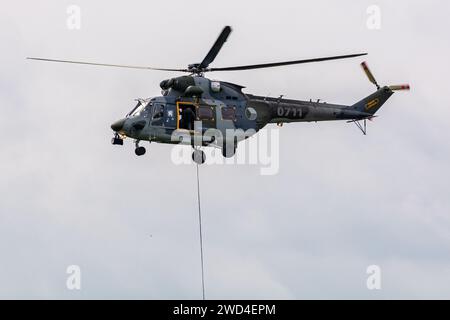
x=201 y=235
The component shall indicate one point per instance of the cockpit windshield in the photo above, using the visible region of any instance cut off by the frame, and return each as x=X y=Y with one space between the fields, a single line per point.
x=141 y=106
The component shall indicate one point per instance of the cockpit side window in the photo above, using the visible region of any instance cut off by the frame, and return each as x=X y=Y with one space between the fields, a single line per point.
x=157 y=115
x=146 y=113
x=158 y=111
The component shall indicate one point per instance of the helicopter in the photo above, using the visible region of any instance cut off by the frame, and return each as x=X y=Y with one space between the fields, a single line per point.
x=195 y=110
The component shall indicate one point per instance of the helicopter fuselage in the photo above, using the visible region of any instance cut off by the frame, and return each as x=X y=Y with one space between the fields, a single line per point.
x=220 y=109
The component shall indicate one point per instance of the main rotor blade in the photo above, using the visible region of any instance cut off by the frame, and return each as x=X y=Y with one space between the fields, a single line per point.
x=107 y=65
x=215 y=48
x=286 y=63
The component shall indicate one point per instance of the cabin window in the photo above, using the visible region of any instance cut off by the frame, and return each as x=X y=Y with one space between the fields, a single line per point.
x=205 y=113
x=229 y=113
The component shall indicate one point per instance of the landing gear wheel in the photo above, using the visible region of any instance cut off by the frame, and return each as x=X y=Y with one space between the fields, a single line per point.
x=228 y=151
x=140 y=151
x=198 y=156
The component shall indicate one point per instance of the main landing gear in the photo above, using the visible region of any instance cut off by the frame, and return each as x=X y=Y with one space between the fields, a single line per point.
x=229 y=148
x=228 y=151
x=198 y=156
x=139 y=151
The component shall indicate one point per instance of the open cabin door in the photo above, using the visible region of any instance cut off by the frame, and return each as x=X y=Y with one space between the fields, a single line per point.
x=186 y=115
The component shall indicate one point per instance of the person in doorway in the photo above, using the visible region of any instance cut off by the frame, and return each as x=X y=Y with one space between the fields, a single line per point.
x=188 y=118
x=180 y=118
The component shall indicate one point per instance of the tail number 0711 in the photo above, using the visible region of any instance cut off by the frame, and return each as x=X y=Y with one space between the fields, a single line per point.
x=289 y=112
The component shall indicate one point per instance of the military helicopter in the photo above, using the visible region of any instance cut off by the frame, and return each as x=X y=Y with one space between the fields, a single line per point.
x=202 y=112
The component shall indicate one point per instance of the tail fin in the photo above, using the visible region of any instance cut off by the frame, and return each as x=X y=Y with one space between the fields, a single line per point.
x=373 y=103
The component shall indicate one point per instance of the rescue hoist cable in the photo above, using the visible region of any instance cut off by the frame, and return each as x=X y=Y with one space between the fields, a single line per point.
x=200 y=232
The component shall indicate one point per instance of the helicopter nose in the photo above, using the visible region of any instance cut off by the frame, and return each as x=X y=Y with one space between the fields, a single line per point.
x=118 y=125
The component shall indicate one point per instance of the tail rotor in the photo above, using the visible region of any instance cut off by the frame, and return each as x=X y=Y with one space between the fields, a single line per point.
x=372 y=79
x=400 y=87
x=369 y=74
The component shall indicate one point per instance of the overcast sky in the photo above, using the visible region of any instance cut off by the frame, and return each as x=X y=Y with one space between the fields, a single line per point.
x=340 y=202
